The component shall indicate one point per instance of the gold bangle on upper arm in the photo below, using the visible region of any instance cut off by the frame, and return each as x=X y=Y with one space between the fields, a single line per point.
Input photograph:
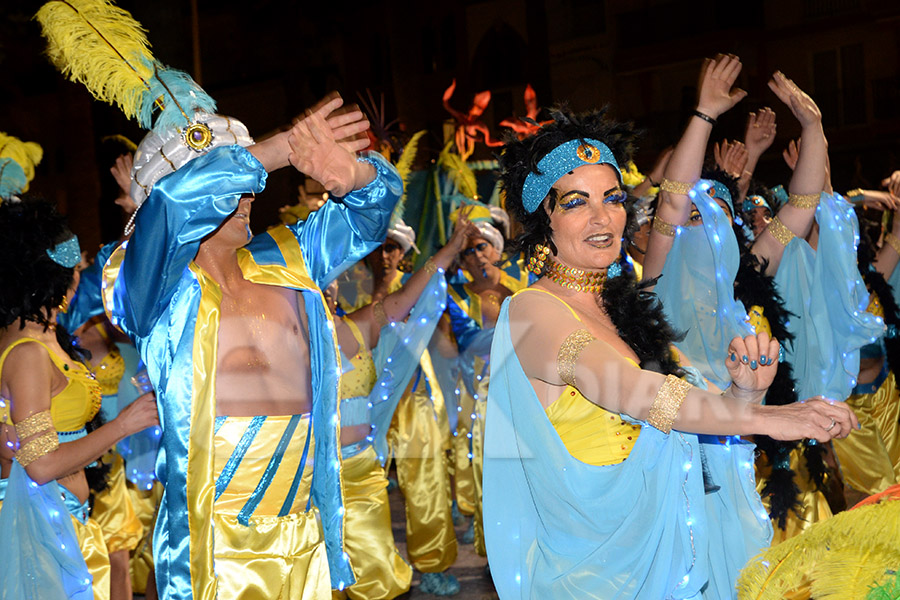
x=804 y=200
x=667 y=403
x=38 y=447
x=36 y=423
x=675 y=187
x=780 y=231
x=379 y=314
x=568 y=354
x=893 y=241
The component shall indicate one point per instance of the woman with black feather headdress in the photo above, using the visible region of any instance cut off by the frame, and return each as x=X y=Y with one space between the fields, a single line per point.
x=593 y=486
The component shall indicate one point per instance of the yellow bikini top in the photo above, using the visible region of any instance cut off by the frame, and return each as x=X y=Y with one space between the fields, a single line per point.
x=111 y=368
x=590 y=433
x=79 y=401
x=361 y=379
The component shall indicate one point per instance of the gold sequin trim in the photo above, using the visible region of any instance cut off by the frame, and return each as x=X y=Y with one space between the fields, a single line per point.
x=780 y=232
x=380 y=315
x=430 y=266
x=676 y=187
x=667 y=403
x=568 y=354
x=37 y=448
x=804 y=200
x=893 y=241
x=36 y=423
x=664 y=227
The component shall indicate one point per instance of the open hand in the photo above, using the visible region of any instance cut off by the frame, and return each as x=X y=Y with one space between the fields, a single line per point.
x=752 y=362
x=892 y=183
x=878 y=200
x=802 y=106
x=731 y=157
x=324 y=147
x=717 y=77
x=791 y=154
x=760 y=132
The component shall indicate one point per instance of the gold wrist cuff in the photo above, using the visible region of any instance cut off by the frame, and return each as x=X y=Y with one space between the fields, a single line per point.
x=664 y=227
x=893 y=241
x=36 y=448
x=675 y=187
x=568 y=354
x=855 y=193
x=430 y=266
x=667 y=402
x=36 y=423
x=780 y=232
x=804 y=200
x=379 y=314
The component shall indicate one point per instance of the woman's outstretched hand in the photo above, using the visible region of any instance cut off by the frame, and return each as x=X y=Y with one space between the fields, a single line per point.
x=717 y=78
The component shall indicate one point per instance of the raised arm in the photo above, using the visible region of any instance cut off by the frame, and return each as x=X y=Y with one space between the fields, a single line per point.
x=540 y=325
x=716 y=96
x=758 y=137
x=808 y=180
x=396 y=306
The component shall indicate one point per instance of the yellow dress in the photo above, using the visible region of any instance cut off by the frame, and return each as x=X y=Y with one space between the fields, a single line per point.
x=70 y=410
x=380 y=571
x=113 y=509
x=870 y=456
x=278 y=550
x=813 y=504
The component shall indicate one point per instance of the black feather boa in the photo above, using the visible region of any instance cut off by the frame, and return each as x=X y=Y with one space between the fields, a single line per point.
x=754 y=288
x=640 y=322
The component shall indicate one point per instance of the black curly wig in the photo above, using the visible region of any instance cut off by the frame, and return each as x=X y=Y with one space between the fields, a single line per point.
x=521 y=157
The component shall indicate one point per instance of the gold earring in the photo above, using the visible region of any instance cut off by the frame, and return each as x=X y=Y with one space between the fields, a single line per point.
x=64 y=305
x=538 y=257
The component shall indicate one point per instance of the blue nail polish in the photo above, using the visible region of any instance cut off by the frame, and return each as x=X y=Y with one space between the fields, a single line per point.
x=753 y=364
x=733 y=356
x=744 y=359
x=763 y=359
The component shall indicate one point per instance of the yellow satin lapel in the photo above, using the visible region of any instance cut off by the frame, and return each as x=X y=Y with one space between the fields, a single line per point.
x=200 y=484
x=474 y=308
x=110 y=273
x=294 y=274
x=462 y=303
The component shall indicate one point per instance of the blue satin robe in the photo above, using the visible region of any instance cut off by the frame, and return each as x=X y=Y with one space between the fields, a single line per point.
x=169 y=307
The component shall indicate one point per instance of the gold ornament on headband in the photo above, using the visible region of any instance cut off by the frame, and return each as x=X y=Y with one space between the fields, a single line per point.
x=198 y=136
x=588 y=153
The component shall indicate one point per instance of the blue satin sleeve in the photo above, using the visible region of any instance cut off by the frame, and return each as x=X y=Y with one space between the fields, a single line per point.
x=343 y=232
x=88 y=300
x=182 y=209
x=463 y=326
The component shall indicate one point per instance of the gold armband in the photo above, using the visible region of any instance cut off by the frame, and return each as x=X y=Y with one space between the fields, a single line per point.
x=675 y=187
x=379 y=314
x=37 y=448
x=780 y=232
x=855 y=193
x=667 y=402
x=568 y=354
x=893 y=241
x=36 y=423
x=664 y=227
x=430 y=266
x=804 y=200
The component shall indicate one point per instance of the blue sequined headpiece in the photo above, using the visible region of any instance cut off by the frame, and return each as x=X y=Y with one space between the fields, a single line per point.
x=751 y=202
x=720 y=190
x=561 y=160
x=67 y=253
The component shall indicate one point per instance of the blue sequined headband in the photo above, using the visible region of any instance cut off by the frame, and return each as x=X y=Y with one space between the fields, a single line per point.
x=66 y=254
x=561 y=160
x=720 y=190
x=755 y=200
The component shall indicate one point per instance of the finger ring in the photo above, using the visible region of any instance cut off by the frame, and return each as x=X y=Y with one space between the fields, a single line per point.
x=830 y=427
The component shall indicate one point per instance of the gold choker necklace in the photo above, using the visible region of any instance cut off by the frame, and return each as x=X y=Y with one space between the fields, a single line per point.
x=571 y=278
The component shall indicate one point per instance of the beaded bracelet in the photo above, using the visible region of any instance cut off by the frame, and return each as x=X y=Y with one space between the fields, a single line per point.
x=667 y=403
x=568 y=354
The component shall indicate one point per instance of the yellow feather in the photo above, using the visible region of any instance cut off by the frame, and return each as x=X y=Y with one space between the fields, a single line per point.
x=408 y=156
x=27 y=154
x=459 y=172
x=100 y=45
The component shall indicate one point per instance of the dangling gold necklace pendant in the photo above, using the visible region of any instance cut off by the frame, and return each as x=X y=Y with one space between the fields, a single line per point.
x=574 y=279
